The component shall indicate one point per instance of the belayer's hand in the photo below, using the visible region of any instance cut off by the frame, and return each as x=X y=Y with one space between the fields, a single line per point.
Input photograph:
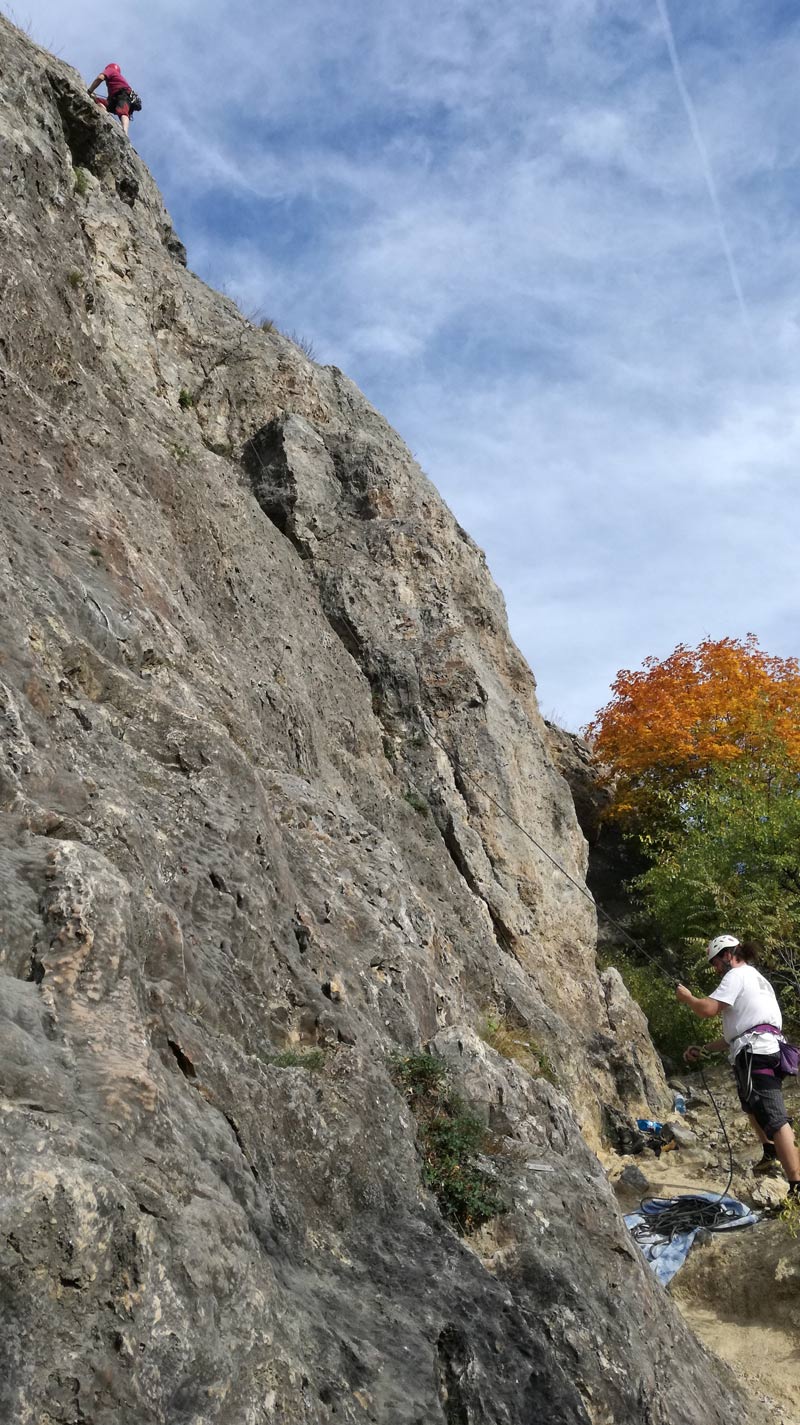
x=683 y=995
x=693 y=1053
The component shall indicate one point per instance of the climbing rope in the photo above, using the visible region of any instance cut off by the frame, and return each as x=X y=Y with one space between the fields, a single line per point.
x=454 y=760
x=665 y=1217
x=668 y=1215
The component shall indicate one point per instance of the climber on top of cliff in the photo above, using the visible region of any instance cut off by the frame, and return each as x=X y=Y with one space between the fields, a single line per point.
x=122 y=100
x=751 y=1030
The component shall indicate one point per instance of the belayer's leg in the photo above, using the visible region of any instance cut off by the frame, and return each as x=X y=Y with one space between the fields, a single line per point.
x=786 y=1150
x=758 y=1130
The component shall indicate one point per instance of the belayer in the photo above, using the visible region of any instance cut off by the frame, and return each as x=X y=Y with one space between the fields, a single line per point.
x=122 y=100
x=751 y=1030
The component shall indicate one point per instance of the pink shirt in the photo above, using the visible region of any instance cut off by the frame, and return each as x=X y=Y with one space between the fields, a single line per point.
x=115 y=81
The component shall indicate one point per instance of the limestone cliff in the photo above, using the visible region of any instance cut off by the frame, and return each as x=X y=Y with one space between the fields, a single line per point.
x=264 y=746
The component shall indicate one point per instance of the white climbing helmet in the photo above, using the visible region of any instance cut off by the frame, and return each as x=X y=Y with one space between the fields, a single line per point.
x=719 y=943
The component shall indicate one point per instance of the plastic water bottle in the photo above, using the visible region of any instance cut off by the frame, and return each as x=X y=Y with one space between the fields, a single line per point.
x=679 y=1104
x=649 y=1125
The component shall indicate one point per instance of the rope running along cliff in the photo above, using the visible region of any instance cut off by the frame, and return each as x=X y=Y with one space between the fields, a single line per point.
x=666 y=1216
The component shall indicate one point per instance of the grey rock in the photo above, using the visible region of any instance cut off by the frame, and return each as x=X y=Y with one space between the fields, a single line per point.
x=684 y=1137
x=236 y=633
x=591 y=787
x=677 y=1086
x=633 y=1180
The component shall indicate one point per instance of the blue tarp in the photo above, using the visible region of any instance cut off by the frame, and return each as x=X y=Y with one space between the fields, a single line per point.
x=666 y=1258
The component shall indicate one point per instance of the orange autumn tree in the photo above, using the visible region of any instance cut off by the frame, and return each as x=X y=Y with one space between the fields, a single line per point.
x=677 y=719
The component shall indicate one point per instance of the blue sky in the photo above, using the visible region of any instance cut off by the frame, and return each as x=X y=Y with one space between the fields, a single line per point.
x=567 y=273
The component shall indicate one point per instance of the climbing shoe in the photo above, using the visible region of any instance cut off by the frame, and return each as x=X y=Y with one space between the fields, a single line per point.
x=767 y=1165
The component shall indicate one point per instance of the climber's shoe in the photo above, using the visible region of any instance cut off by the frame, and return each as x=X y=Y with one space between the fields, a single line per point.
x=767 y=1165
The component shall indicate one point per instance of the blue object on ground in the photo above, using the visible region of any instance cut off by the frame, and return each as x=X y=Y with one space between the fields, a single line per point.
x=667 y=1257
x=649 y=1125
x=679 y=1103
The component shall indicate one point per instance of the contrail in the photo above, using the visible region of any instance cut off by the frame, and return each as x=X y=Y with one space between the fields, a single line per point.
x=705 y=164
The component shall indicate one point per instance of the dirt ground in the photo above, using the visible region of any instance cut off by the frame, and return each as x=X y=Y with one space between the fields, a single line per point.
x=739 y=1292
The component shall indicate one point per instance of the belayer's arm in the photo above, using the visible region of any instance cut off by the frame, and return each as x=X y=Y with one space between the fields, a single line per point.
x=704 y=1008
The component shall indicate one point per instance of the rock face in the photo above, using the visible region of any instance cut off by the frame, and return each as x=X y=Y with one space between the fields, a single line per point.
x=613 y=861
x=265 y=753
x=574 y=760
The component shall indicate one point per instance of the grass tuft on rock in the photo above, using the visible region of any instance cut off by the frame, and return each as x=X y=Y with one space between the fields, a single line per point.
x=790 y=1215
x=310 y=1059
x=417 y=801
x=516 y=1044
x=450 y=1138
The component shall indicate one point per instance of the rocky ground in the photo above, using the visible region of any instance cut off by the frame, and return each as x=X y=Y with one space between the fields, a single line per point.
x=740 y=1292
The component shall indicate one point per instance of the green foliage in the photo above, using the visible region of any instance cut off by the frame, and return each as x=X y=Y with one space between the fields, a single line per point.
x=790 y=1215
x=419 y=1075
x=516 y=1044
x=416 y=800
x=727 y=858
x=81 y=187
x=450 y=1138
x=75 y=278
x=311 y=1059
x=185 y=399
x=180 y=453
x=672 y=1026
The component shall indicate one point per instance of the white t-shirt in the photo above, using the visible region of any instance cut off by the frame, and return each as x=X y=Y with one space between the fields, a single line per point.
x=750 y=999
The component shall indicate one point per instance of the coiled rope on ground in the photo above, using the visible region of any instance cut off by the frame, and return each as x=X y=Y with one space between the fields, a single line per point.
x=666 y=1217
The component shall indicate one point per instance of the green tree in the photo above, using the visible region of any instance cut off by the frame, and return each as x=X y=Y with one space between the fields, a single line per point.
x=725 y=854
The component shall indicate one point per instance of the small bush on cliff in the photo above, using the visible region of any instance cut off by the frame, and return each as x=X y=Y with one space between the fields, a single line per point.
x=416 y=800
x=310 y=1059
x=450 y=1138
x=81 y=186
x=516 y=1044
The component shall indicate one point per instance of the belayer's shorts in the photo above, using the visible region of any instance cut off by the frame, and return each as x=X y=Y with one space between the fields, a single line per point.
x=758 y=1081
